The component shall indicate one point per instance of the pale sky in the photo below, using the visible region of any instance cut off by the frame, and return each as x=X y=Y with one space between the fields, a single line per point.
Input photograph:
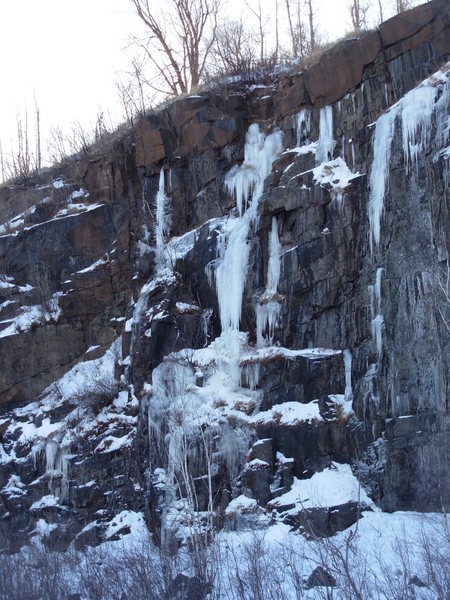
x=67 y=53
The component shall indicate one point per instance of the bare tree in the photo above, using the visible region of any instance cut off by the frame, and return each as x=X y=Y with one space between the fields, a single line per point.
x=2 y=163
x=380 y=8
x=178 y=42
x=358 y=14
x=277 y=33
x=261 y=29
x=402 y=5
x=312 y=26
x=291 y=30
x=296 y=28
x=38 y=136
x=235 y=48
x=24 y=157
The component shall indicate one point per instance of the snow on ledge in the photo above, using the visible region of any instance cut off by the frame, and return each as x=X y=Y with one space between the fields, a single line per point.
x=242 y=505
x=33 y=316
x=333 y=486
x=184 y=308
x=127 y=519
x=277 y=352
x=335 y=174
x=290 y=413
x=45 y=502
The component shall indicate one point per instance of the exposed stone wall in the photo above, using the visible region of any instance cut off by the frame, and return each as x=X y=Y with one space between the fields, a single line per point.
x=98 y=258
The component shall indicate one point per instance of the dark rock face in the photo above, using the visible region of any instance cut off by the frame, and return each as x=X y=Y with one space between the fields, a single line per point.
x=100 y=305
x=324 y=522
x=320 y=577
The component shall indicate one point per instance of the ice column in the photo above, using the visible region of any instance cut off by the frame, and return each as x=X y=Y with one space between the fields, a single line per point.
x=379 y=175
x=348 y=374
x=162 y=226
x=377 y=323
x=326 y=143
x=273 y=268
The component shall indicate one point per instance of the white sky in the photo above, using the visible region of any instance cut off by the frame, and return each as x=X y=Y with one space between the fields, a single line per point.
x=67 y=53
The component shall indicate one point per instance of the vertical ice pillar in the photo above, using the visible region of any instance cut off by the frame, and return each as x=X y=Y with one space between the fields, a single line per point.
x=162 y=225
x=326 y=143
x=379 y=174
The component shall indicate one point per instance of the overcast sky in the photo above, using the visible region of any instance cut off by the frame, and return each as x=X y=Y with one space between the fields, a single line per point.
x=67 y=54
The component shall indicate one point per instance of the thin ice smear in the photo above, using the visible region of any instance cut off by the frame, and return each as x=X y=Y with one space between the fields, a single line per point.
x=268 y=308
x=303 y=126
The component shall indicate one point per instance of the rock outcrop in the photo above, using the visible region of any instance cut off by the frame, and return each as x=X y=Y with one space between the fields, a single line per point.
x=115 y=348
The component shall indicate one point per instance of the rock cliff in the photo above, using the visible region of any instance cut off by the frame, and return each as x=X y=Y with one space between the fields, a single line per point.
x=244 y=292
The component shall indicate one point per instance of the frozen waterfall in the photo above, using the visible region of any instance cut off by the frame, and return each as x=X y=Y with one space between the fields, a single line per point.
x=230 y=268
x=379 y=175
x=326 y=143
x=248 y=183
x=162 y=225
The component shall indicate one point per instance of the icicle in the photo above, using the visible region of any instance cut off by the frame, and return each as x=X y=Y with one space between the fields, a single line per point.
x=348 y=394
x=303 y=126
x=162 y=226
x=326 y=143
x=377 y=334
x=267 y=320
x=353 y=156
x=370 y=289
x=145 y=232
x=379 y=175
x=36 y=452
x=241 y=181
x=251 y=375
x=274 y=265
x=51 y=455
x=229 y=451
x=377 y=288
x=417 y=109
